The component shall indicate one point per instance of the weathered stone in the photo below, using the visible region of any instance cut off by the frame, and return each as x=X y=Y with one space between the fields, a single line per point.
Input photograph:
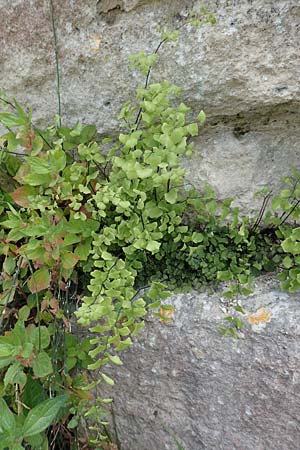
x=247 y=153
x=244 y=73
x=213 y=392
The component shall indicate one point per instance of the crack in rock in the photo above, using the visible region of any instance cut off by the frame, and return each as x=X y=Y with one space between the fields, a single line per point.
x=110 y=10
x=272 y=117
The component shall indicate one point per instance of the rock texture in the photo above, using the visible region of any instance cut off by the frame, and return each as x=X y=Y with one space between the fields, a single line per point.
x=214 y=392
x=244 y=73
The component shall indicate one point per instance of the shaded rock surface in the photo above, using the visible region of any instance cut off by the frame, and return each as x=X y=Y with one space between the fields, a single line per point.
x=213 y=392
x=244 y=73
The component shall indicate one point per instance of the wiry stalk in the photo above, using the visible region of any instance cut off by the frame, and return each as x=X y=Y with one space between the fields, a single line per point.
x=56 y=60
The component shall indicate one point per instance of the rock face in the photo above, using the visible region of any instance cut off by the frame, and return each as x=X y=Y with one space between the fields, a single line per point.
x=211 y=391
x=244 y=73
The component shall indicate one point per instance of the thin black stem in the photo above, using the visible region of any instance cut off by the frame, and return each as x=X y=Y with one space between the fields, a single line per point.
x=101 y=170
x=11 y=289
x=120 y=310
x=290 y=212
x=102 y=285
x=40 y=134
x=284 y=215
x=139 y=114
x=3 y=149
x=56 y=60
x=7 y=102
x=261 y=212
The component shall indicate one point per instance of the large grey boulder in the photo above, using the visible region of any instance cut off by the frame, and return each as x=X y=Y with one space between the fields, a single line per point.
x=244 y=73
x=213 y=392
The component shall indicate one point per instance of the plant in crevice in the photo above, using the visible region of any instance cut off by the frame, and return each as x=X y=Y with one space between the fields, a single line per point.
x=77 y=225
x=284 y=221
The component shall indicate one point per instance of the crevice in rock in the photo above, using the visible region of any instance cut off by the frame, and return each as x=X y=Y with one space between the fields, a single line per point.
x=267 y=118
x=110 y=11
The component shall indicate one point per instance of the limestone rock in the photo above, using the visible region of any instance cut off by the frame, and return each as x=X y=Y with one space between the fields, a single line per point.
x=244 y=73
x=211 y=391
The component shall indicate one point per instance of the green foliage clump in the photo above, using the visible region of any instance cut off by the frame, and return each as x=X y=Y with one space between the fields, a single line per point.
x=284 y=221
x=76 y=229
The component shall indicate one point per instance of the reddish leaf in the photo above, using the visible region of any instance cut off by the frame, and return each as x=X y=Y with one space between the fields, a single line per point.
x=22 y=173
x=54 y=305
x=39 y=281
x=28 y=139
x=21 y=194
x=44 y=305
x=69 y=260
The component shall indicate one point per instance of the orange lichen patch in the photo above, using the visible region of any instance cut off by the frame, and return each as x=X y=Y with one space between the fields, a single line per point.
x=95 y=42
x=166 y=314
x=261 y=316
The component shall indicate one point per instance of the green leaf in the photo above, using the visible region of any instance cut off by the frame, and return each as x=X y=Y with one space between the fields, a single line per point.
x=153 y=211
x=124 y=331
x=224 y=275
x=87 y=133
x=128 y=141
x=6 y=350
x=197 y=237
x=37 y=145
x=7 y=419
x=83 y=250
x=43 y=415
x=57 y=159
x=296 y=233
x=35 y=179
x=177 y=135
x=12 y=120
x=144 y=172
x=153 y=246
x=9 y=265
x=15 y=375
x=39 y=165
x=107 y=379
x=291 y=246
x=38 y=442
x=171 y=196
x=68 y=259
x=123 y=345
x=115 y=359
x=34 y=393
x=192 y=129
x=17 y=446
x=42 y=365
x=23 y=313
x=137 y=327
x=276 y=203
x=285 y=193
x=40 y=337
x=287 y=262
x=201 y=116
x=239 y=309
